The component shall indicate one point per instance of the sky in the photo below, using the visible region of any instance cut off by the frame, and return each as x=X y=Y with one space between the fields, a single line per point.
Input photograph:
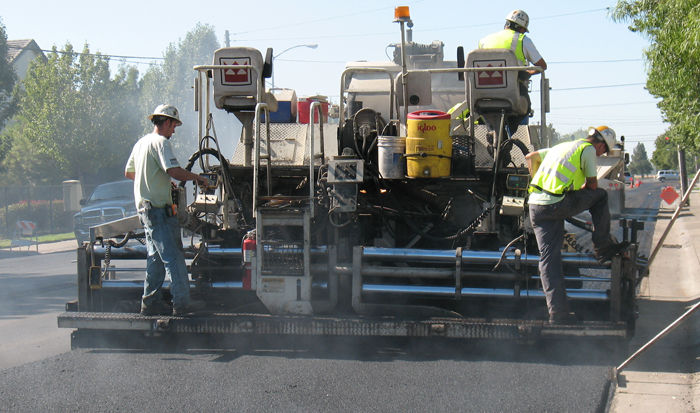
x=596 y=66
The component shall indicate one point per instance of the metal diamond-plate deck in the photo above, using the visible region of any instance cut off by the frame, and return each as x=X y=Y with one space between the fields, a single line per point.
x=289 y=145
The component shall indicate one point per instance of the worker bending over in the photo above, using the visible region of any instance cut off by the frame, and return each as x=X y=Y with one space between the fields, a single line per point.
x=565 y=184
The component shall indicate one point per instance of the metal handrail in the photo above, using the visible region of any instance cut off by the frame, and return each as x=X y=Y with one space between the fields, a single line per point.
x=260 y=107
x=312 y=155
x=365 y=70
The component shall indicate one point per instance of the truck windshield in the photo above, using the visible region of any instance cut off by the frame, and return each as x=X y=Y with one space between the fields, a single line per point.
x=121 y=190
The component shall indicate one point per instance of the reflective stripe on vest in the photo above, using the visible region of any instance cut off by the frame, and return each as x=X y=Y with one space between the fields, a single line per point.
x=560 y=170
x=506 y=39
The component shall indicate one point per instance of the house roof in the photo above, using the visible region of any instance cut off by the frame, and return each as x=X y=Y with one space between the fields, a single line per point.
x=16 y=47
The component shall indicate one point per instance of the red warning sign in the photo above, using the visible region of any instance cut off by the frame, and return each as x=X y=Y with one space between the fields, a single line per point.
x=235 y=76
x=669 y=194
x=490 y=79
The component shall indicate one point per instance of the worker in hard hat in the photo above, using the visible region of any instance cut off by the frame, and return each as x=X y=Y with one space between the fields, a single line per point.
x=151 y=165
x=564 y=184
x=513 y=37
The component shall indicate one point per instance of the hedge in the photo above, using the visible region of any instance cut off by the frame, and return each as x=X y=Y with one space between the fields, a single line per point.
x=40 y=215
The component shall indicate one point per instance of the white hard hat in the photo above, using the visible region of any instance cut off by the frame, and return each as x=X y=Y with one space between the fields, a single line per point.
x=520 y=18
x=605 y=134
x=167 y=110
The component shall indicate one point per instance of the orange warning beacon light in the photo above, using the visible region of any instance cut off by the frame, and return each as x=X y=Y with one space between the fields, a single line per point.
x=401 y=13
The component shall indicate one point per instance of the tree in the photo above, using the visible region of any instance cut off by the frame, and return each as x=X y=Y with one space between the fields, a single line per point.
x=8 y=105
x=673 y=59
x=25 y=164
x=665 y=155
x=8 y=78
x=554 y=136
x=640 y=164
x=76 y=115
x=551 y=136
x=576 y=135
x=171 y=82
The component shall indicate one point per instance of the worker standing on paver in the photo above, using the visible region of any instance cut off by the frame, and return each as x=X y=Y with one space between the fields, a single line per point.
x=151 y=165
x=513 y=37
x=564 y=184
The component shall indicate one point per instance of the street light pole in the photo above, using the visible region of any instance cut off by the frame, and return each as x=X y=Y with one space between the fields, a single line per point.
x=310 y=46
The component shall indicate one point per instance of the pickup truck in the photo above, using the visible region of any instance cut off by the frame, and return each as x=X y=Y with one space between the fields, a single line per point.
x=108 y=202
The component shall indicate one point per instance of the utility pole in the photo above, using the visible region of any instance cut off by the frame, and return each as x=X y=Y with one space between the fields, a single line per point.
x=227 y=39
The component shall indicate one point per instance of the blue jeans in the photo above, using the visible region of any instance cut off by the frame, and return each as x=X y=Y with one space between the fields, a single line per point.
x=165 y=257
x=548 y=224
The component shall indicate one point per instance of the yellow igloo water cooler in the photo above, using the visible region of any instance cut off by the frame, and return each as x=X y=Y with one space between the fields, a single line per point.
x=428 y=144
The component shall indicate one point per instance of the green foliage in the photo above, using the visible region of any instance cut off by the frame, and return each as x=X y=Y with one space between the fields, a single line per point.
x=49 y=238
x=554 y=136
x=8 y=78
x=171 y=82
x=673 y=59
x=75 y=121
x=579 y=134
x=75 y=114
x=40 y=213
x=665 y=155
x=640 y=164
x=25 y=163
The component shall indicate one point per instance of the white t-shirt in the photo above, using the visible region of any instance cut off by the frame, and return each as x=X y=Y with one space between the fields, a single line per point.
x=151 y=157
x=589 y=167
x=530 y=51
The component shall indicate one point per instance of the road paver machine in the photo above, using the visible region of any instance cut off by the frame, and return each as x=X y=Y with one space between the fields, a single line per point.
x=401 y=211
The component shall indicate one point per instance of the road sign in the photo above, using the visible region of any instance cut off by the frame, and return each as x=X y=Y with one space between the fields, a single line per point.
x=669 y=194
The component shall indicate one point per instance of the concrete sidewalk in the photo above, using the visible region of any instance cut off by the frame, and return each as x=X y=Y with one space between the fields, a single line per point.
x=663 y=379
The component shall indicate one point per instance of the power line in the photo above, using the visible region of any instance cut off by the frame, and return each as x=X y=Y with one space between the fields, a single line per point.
x=312 y=61
x=598 y=87
x=316 y=37
x=598 y=61
x=501 y=21
x=385 y=33
x=604 y=104
x=639 y=119
x=102 y=55
x=319 y=20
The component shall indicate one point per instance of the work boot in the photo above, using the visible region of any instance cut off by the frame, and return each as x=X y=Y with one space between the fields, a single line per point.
x=606 y=253
x=158 y=307
x=188 y=309
x=563 y=317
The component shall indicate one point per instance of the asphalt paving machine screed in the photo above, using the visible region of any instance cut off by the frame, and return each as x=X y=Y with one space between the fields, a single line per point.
x=401 y=211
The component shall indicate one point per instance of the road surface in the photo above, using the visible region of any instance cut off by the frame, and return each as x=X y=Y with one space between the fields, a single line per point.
x=39 y=373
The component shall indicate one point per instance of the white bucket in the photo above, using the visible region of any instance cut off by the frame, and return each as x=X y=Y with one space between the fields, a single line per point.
x=392 y=163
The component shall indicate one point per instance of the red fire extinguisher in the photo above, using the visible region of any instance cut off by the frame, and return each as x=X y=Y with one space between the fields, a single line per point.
x=248 y=248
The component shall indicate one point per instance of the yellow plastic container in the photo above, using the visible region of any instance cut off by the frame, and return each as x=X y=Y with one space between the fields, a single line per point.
x=428 y=144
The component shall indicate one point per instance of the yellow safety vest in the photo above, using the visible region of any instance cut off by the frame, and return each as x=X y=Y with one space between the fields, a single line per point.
x=560 y=170
x=506 y=39
x=463 y=115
